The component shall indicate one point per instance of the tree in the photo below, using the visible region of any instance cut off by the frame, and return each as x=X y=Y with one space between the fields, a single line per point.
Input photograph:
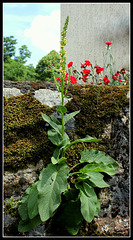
x=9 y=47
x=42 y=69
x=24 y=53
x=17 y=71
x=14 y=71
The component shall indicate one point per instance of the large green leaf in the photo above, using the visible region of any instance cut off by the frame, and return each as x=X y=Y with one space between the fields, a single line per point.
x=28 y=208
x=90 y=205
x=61 y=109
x=57 y=127
x=95 y=156
x=69 y=116
x=86 y=139
x=52 y=182
x=71 y=216
x=98 y=168
x=94 y=177
x=54 y=119
x=56 y=139
x=33 y=201
x=23 y=208
x=29 y=224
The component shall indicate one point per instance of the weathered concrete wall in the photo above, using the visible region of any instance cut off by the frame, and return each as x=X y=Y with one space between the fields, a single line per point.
x=93 y=24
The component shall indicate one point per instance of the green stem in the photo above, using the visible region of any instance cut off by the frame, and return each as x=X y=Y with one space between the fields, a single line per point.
x=62 y=126
x=74 y=173
x=75 y=166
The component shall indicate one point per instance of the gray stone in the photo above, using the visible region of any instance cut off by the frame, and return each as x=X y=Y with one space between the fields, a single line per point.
x=8 y=219
x=10 y=92
x=48 y=97
x=37 y=231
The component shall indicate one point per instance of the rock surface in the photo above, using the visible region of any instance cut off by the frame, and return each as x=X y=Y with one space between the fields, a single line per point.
x=48 y=97
x=114 y=226
x=10 y=92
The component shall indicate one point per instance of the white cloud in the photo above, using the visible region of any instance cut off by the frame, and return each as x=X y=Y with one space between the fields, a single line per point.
x=45 y=32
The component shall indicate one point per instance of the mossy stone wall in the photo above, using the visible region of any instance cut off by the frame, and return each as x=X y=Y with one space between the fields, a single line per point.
x=102 y=110
x=25 y=132
x=25 y=137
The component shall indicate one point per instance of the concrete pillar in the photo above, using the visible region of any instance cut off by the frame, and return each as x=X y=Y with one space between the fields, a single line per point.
x=91 y=25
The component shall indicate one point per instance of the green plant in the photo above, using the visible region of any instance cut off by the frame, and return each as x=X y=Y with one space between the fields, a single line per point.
x=43 y=71
x=13 y=203
x=103 y=76
x=69 y=190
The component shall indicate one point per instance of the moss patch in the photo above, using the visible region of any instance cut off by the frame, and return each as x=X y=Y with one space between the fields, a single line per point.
x=98 y=104
x=25 y=136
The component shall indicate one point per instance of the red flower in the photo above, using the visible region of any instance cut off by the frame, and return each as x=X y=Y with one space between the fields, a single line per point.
x=123 y=71
x=117 y=73
x=70 y=64
x=66 y=77
x=114 y=77
x=106 y=80
x=86 y=71
x=108 y=43
x=49 y=66
x=82 y=65
x=88 y=63
x=98 y=69
x=84 y=78
x=58 y=78
x=73 y=79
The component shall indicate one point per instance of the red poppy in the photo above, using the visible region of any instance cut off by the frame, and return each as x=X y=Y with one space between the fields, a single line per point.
x=58 y=78
x=106 y=80
x=88 y=63
x=117 y=73
x=70 y=64
x=66 y=77
x=108 y=43
x=114 y=77
x=84 y=78
x=82 y=65
x=123 y=71
x=73 y=79
x=98 y=69
x=86 y=71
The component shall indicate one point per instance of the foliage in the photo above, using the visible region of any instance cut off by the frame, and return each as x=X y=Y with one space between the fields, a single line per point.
x=43 y=70
x=42 y=200
x=14 y=69
x=9 y=47
x=17 y=71
x=24 y=53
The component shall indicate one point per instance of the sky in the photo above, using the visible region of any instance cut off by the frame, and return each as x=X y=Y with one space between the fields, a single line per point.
x=36 y=25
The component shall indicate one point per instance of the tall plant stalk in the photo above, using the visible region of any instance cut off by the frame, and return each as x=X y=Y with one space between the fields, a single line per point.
x=41 y=200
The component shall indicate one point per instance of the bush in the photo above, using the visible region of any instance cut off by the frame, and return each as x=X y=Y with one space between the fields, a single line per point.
x=17 y=71
x=42 y=69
